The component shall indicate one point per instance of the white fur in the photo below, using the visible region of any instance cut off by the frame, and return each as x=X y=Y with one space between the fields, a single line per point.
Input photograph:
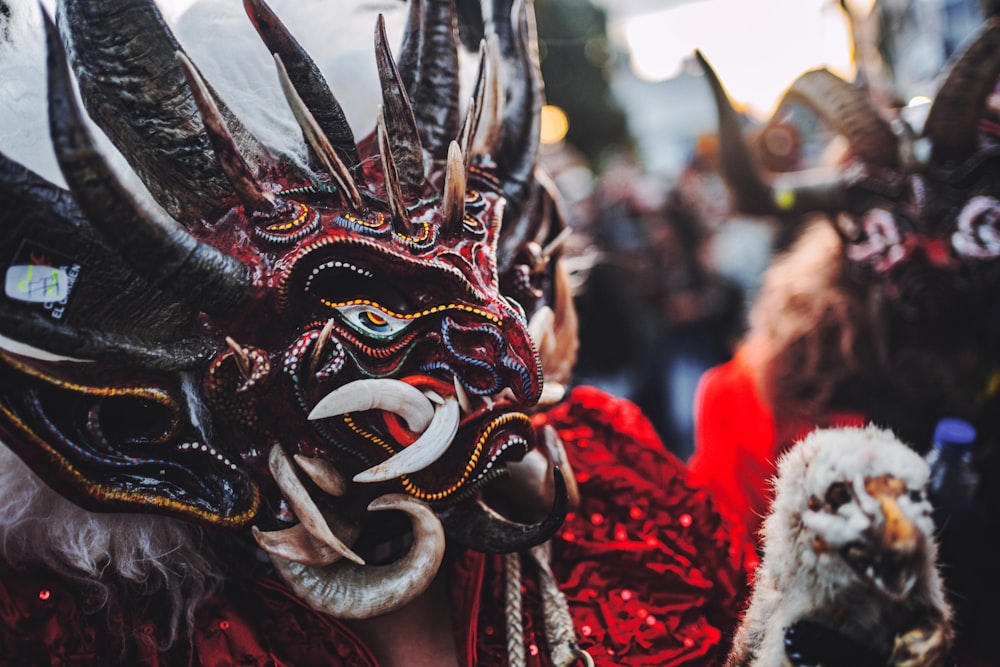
x=795 y=581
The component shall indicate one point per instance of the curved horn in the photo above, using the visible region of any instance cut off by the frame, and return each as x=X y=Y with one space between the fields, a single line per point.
x=428 y=64
x=308 y=82
x=158 y=247
x=483 y=529
x=123 y=55
x=400 y=123
x=237 y=170
x=739 y=168
x=850 y=112
x=346 y=590
x=952 y=120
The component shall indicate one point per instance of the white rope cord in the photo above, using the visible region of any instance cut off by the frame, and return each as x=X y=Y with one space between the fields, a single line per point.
x=515 y=624
x=559 y=629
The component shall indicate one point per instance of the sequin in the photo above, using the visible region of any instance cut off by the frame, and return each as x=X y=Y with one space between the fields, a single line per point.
x=626 y=594
x=685 y=520
x=636 y=512
x=688 y=642
x=586 y=630
x=533 y=649
x=650 y=620
x=223 y=625
x=44 y=595
x=596 y=519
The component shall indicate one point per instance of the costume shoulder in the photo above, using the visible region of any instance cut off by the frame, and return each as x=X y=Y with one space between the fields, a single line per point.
x=645 y=545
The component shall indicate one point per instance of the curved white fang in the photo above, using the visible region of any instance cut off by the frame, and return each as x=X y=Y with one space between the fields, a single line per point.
x=324 y=474
x=424 y=451
x=383 y=394
x=283 y=471
x=295 y=544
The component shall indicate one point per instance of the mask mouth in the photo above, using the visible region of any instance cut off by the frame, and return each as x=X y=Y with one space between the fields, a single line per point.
x=434 y=438
x=892 y=572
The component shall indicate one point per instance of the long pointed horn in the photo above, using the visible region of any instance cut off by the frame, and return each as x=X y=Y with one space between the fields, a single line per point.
x=849 y=111
x=123 y=55
x=952 y=120
x=408 y=155
x=518 y=153
x=428 y=64
x=738 y=165
x=483 y=529
x=490 y=98
x=327 y=154
x=393 y=191
x=453 y=205
x=236 y=168
x=308 y=82
x=158 y=247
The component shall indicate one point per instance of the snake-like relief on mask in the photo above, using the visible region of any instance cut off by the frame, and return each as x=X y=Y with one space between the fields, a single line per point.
x=275 y=348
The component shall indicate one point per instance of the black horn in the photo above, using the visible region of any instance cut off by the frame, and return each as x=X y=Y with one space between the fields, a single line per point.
x=428 y=64
x=157 y=247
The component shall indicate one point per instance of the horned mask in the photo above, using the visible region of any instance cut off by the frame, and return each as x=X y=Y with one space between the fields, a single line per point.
x=281 y=350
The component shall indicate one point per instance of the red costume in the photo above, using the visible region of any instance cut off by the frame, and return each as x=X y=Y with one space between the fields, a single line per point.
x=739 y=440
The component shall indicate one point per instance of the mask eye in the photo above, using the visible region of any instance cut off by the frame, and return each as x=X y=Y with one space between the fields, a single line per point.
x=978 y=232
x=371 y=320
x=837 y=495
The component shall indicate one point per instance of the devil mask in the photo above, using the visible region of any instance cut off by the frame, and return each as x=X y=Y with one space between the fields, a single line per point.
x=917 y=211
x=276 y=349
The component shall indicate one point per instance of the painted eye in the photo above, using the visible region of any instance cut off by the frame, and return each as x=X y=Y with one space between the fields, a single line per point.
x=371 y=320
x=978 y=229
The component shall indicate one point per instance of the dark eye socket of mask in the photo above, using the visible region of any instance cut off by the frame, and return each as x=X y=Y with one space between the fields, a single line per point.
x=337 y=284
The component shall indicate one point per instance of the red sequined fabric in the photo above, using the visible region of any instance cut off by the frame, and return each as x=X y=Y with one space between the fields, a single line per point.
x=652 y=575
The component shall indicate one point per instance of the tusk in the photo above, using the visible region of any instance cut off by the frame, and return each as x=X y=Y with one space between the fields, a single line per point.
x=303 y=505
x=346 y=591
x=323 y=473
x=321 y=341
x=424 y=451
x=383 y=394
x=541 y=324
x=241 y=357
x=295 y=544
x=464 y=401
x=552 y=393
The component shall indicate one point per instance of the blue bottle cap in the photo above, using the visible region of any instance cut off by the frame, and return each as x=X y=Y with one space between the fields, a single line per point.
x=952 y=431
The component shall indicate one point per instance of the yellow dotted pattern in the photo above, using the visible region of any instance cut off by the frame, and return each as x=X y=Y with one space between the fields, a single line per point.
x=379 y=220
x=297 y=222
x=425 y=233
x=412 y=316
